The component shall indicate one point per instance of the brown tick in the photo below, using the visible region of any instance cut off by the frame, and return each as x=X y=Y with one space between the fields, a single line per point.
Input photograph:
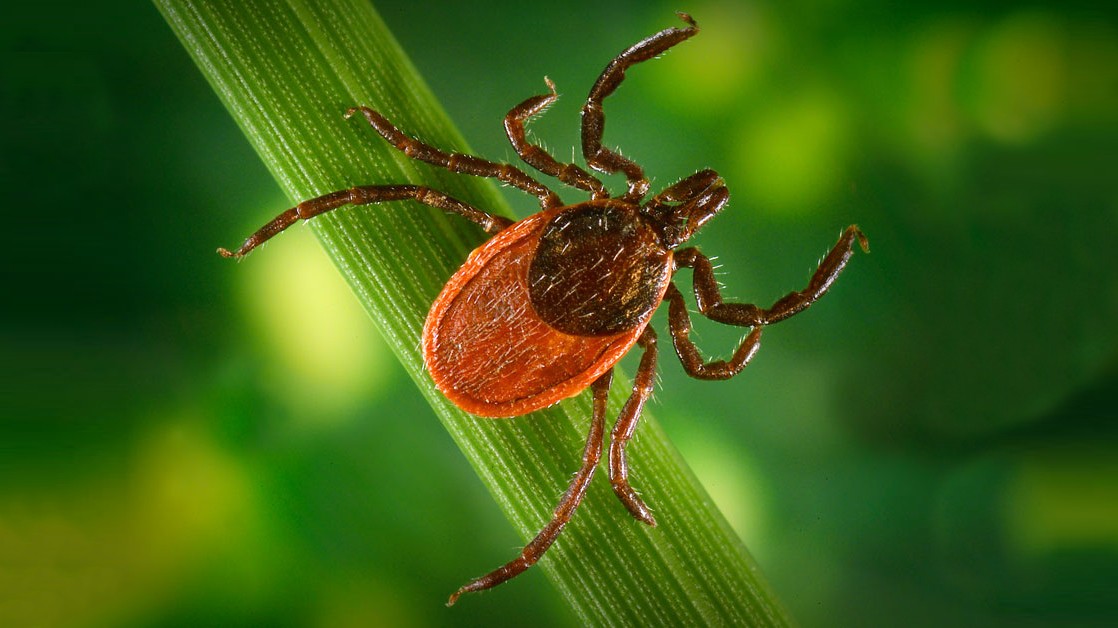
x=550 y=303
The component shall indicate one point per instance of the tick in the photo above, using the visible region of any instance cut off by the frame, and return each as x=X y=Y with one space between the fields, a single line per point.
x=547 y=306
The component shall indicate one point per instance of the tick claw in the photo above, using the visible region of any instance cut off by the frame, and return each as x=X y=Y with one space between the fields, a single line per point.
x=635 y=505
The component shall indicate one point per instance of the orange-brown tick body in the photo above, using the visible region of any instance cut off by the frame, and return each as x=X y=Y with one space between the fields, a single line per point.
x=549 y=304
x=492 y=343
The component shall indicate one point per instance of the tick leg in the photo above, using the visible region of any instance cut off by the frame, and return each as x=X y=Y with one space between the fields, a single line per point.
x=366 y=195
x=536 y=156
x=627 y=424
x=593 y=116
x=457 y=162
x=567 y=505
x=679 y=324
x=709 y=298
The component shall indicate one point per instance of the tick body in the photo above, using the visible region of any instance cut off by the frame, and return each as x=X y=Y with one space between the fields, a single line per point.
x=546 y=307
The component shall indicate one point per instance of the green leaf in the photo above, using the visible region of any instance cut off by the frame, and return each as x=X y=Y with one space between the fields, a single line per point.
x=287 y=71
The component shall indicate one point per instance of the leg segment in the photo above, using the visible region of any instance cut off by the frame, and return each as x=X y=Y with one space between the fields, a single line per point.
x=567 y=505
x=679 y=323
x=709 y=298
x=593 y=116
x=457 y=162
x=627 y=424
x=366 y=195
x=536 y=156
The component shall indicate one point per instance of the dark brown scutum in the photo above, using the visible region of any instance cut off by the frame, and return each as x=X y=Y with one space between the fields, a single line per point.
x=599 y=269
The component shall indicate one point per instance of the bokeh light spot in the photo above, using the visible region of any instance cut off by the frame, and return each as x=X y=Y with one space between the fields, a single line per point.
x=107 y=546
x=791 y=156
x=355 y=602
x=726 y=472
x=710 y=71
x=1020 y=75
x=935 y=60
x=323 y=348
x=186 y=488
x=1065 y=500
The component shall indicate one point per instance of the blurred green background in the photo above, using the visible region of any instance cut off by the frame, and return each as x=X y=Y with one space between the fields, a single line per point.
x=188 y=441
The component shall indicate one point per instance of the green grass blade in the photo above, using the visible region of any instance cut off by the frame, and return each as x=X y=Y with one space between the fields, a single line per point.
x=286 y=71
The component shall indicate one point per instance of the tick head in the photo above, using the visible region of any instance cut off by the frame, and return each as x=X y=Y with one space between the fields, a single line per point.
x=679 y=211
